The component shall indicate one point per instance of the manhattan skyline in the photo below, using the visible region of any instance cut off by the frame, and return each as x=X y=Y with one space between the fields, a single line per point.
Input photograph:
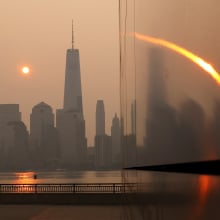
x=41 y=42
x=38 y=33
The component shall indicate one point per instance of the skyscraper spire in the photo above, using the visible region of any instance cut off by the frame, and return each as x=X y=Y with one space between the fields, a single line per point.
x=72 y=36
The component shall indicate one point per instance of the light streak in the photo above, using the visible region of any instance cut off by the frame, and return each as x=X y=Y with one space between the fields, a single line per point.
x=207 y=67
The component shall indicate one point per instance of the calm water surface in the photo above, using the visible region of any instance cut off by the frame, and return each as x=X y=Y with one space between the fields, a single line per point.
x=60 y=177
x=174 y=196
x=167 y=196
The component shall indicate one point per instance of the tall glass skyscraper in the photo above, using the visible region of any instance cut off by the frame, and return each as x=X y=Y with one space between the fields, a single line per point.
x=100 y=118
x=69 y=120
x=72 y=90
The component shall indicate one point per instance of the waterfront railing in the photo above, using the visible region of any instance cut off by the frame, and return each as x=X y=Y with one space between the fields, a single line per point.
x=69 y=188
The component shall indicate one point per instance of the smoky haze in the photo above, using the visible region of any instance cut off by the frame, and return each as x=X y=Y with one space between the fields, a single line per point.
x=38 y=33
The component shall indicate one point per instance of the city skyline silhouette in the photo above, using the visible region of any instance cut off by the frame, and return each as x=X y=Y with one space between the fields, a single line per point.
x=41 y=42
x=56 y=140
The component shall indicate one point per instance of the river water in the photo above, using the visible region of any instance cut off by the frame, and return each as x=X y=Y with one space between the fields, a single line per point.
x=60 y=177
x=162 y=196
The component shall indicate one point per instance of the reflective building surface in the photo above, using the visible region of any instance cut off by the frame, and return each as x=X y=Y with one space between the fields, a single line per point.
x=162 y=195
x=169 y=80
x=170 y=105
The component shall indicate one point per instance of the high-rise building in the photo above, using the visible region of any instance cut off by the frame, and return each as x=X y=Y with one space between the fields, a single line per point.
x=8 y=113
x=161 y=119
x=18 y=153
x=72 y=89
x=43 y=135
x=103 y=152
x=41 y=119
x=71 y=130
x=157 y=94
x=116 y=140
x=69 y=120
x=100 y=118
x=103 y=146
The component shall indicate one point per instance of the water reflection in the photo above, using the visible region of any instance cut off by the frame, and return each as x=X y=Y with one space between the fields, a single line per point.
x=60 y=177
x=25 y=178
x=207 y=185
x=172 y=196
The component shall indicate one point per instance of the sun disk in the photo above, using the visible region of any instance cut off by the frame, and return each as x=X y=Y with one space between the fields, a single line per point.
x=25 y=70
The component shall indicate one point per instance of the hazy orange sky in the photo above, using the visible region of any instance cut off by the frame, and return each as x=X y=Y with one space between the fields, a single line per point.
x=37 y=33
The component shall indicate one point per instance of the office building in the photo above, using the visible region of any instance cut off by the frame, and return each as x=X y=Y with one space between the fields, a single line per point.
x=43 y=136
x=70 y=120
x=103 y=146
x=100 y=118
x=116 y=140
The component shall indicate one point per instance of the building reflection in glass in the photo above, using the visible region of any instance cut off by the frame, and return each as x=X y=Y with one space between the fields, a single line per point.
x=176 y=117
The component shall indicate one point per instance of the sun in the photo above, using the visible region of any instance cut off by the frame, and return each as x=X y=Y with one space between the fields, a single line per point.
x=25 y=70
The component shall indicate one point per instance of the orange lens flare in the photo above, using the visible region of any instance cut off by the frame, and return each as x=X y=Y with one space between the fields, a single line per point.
x=194 y=58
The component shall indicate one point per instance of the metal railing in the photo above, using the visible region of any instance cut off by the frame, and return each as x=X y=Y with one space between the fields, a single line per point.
x=69 y=188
